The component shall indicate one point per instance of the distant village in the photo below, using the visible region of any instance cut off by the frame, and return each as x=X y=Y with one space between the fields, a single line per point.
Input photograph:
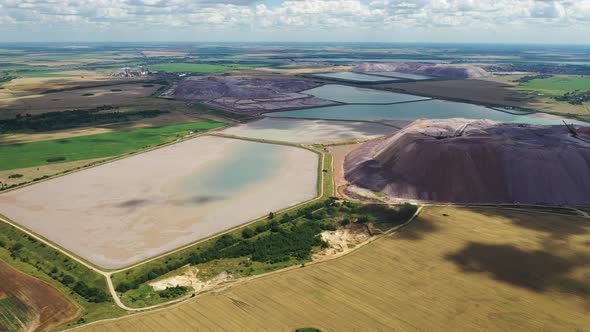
x=143 y=71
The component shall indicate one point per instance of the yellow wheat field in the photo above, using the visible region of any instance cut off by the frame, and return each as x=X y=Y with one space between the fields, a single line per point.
x=452 y=269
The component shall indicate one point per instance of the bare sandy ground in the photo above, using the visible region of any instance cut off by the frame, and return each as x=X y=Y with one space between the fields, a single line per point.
x=30 y=173
x=124 y=212
x=308 y=131
x=339 y=154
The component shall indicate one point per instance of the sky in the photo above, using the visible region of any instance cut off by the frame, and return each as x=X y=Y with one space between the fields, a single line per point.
x=489 y=21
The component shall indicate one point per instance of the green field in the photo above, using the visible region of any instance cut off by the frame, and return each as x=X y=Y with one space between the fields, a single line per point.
x=557 y=85
x=196 y=67
x=94 y=146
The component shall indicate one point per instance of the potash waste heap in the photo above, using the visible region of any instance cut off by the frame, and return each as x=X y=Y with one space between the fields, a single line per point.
x=477 y=161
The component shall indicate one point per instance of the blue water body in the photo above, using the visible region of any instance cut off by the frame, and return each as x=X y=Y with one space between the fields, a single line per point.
x=354 y=95
x=355 y=77
x=401 y=75
x=431 y=109
x=247 y=165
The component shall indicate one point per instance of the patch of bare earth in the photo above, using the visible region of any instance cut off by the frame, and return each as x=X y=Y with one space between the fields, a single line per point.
x=46 y=307
x=344 y=239
x=30 y=173
x=189 y=278
x=339 y=153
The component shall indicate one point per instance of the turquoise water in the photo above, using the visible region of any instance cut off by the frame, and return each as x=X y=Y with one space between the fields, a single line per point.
x=432 y=109
x=354 y=77
x=402 y=75
x=246 y=165
x=353 y=95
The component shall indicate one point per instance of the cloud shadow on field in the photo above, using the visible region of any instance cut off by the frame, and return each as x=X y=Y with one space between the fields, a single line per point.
x=535 y=270
x=556 y=226
x=417 y=230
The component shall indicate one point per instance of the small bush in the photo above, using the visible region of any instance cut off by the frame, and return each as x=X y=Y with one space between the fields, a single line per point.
x=172 y=292
x=56 y=159
x=247 y=233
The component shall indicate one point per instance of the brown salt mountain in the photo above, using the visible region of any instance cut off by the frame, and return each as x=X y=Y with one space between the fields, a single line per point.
x=476 y=161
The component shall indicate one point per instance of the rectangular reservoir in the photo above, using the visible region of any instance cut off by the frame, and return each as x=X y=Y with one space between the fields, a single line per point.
x=123 y=212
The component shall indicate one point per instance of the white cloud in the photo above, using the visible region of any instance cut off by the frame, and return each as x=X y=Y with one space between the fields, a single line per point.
x=325 y=15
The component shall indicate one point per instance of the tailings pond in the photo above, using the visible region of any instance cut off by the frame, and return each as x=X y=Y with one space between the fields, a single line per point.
x=431 y=109
x=353 y=95
x=135 y=208
x=308 y=131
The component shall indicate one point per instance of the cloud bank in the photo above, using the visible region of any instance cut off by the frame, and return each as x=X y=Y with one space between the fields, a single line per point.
x=292 y=19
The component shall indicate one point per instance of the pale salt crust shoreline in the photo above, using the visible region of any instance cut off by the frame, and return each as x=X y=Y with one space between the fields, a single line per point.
x=308 y=131
x=127 y=211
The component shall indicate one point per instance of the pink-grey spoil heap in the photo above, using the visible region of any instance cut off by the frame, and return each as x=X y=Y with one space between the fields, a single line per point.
x=247 y=95
x=476 y=161
x=441 y=70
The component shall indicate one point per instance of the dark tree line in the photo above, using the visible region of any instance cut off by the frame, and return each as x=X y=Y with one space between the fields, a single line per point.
x=576 y=97
x=292 y=236
x=72 y=119
x=528 y=78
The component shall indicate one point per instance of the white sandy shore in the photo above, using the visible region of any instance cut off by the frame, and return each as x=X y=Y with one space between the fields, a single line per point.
x=308 y=131
x=121 y=213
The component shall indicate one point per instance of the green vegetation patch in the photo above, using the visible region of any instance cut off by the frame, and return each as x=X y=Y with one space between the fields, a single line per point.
x=557 y=84
x=197 y=67
x=32 y=154
x=13 y=314
x=281 y=241
x=576 y=97
x=145 y=295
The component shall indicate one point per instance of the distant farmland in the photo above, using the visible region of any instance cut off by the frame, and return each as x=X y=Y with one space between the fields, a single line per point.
x=196 y=67
x=94 y=146
x=557 y=84
x=451 y=269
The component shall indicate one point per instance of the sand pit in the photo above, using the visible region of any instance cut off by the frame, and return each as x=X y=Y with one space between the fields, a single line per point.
x=123 y=212
x=247 y=95
x=476 y=161
x=308 y=131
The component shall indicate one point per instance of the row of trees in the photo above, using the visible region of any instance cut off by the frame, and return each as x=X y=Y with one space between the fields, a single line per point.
x=576 y=97
x=292 y=236
x=528 y=78
x=72 y=119
x=19 y=250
